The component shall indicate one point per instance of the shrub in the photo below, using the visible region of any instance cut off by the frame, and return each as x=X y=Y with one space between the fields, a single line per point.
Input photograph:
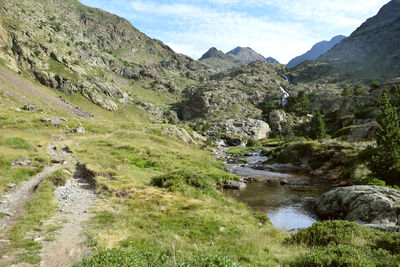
x=251 y=143
x=332 y=232
x=372 y=181
x=154 y=257
x=176 y=181
x=171 y=121
x=336 y=256
x=390 y=242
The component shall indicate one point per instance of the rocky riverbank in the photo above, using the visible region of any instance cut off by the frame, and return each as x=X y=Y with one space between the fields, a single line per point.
x=373 y=206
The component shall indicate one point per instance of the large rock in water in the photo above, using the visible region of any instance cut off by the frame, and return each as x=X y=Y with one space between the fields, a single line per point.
x=243 y=129
x=374 y=206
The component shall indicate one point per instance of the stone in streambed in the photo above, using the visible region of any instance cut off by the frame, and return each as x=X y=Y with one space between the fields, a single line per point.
x=235 y=185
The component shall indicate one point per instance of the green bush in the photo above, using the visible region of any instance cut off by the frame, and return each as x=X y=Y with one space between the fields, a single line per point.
x=390 y=242
x=121 y=257
x=261 y=217
x=176 y=181
x=333 y=233
x=336 y=256
x=251 y=143
x=372 y=181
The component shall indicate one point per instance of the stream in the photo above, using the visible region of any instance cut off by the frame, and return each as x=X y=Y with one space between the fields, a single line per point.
x=288 y=204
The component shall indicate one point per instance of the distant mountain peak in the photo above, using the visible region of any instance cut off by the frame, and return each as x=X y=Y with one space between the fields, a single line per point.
x=236 y=57
x=213 y=53
x=316 y=51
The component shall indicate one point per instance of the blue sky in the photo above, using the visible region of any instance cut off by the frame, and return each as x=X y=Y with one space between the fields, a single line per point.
x=282 y=29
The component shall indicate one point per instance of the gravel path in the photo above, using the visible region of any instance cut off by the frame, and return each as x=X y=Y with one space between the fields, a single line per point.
x=12 y=203
x=75 y=199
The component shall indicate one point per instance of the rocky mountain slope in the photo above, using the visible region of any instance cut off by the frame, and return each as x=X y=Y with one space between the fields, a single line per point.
x=78 y=49
x=219 y=60
x=372 y=52
x=239 y=92
x=316 y=51
x=234 y=58
x=248 y=55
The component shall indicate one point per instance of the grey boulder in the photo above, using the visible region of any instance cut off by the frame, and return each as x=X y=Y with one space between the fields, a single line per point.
x=374 y=206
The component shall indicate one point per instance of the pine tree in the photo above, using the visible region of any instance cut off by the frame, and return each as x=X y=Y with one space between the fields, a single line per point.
x=385 y=160
x=299 y=104
x=318 y=128
x=303 y=103
x=268 y=107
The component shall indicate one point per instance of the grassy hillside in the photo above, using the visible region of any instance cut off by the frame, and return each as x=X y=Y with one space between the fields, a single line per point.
x=184 y=215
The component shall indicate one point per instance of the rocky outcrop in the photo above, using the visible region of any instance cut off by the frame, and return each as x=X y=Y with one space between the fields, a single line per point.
x=240 y=130
x=239 y=92
x=374 y=206
x=279 y=121
x=179 y=133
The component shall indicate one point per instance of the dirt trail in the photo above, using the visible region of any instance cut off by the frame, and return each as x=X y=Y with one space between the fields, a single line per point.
x=12 y=203
x=74 y=199
x=27 y=88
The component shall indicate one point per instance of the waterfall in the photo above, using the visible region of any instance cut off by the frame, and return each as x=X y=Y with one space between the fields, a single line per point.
x=285 y=96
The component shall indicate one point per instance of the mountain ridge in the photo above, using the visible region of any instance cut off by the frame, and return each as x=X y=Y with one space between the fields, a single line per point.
x=371 y=52
x=234 y=58
x=316 y=51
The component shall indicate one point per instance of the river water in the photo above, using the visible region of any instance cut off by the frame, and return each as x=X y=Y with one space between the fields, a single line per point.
x=287 y=205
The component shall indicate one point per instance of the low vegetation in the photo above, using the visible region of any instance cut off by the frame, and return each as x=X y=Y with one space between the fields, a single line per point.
x=341 y=243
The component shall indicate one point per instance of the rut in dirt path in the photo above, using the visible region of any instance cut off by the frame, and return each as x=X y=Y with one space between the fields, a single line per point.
x=29 y=89
x=75 y=199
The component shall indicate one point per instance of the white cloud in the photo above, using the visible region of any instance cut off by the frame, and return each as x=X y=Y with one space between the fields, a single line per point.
x=205 y=27
x=279 y=28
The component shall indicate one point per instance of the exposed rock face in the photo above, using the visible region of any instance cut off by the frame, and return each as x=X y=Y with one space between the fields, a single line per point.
x=179 y=133
x=375 y=206
x=54 y=121
x=234 y=93
x=362 y=132
x=279 y=121
x=242 y=129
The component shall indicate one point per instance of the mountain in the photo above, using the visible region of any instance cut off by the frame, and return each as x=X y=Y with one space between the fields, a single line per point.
x=219 y=60
x=316 y=51
x=77 y=49
x=234 y=58
x=371 y=52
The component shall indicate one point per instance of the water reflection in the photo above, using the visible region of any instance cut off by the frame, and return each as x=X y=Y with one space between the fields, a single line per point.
x=285 y=205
